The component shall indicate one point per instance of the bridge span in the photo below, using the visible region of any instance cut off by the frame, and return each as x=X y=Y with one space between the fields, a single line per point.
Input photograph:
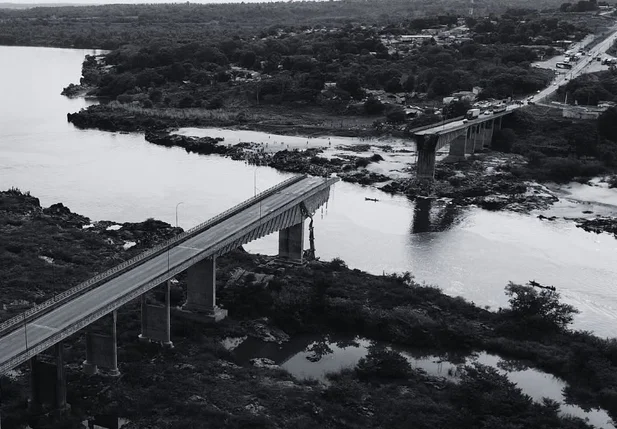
x=465 y=137
x=282 y=208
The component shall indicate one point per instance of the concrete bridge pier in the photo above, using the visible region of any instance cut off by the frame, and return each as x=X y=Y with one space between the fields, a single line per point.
x=458 y=148
x=291 y=242
x=479 y=142
x=48 y=382
x=156 y=319
x=201 y=291
x=102 y=350
x=471 y=142
x=427 y=150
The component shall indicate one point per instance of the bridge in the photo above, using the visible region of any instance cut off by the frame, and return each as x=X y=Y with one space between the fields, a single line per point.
x=465 y=137
x=282 y=208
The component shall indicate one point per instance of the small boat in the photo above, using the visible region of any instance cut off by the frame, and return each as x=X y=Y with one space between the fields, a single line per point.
x=370 y=199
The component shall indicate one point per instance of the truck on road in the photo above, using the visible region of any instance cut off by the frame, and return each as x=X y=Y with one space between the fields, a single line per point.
x=500 y=107
x=472 y=114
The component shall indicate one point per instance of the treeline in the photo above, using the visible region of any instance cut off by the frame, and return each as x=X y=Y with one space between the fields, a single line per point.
x=589 y=89
x=299 y=66
x=525 y=27
x=581 y=6
x=560 y=149
x=110 y=26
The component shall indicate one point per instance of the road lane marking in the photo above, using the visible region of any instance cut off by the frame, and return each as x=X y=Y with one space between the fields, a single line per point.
x=191 y=248
x=43 y=327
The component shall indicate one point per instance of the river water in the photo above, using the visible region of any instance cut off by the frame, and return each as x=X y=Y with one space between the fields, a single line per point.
x=316 y=356
x=115 y=176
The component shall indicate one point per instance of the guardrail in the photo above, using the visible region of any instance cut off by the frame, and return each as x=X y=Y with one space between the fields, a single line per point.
x=11 y=324
x=436 y=124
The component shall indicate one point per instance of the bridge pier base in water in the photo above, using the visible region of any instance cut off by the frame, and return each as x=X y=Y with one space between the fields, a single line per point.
x=156 y=320
x=48 y=382
x=201 y=291
x=291 y=242
x=102 y=350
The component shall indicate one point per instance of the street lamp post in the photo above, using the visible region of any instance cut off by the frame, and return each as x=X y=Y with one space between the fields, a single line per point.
x=177 y=212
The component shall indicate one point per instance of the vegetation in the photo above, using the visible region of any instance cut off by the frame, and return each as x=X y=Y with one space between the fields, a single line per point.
x=203 y=382
x=590 y=89
x=559 y=149
x=110 y=26
x=541 y=310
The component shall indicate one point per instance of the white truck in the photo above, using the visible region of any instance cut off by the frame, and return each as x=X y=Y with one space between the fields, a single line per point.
x=472 y=114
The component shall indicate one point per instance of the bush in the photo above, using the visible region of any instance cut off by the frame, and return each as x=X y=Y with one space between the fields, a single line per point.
x=532 y=306
x=373 y=106
x=503 y=140
x=383 y=363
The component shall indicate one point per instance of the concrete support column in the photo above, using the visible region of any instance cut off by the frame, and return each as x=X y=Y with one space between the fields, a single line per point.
x=167 y=340
x=102 y=350
x=156 y=319
x=469 y=146
x=144 y=319
x=480 y=142
x=457 y=148
x=489 y=134
x=113 y=370
x=48 y=381
x=425 y=165
x=60 y=377
x=89 y=367
x=201 y=290
x=291 y=242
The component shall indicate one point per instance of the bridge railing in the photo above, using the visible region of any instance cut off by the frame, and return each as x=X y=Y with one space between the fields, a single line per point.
x=436 y=124
x=89 y=284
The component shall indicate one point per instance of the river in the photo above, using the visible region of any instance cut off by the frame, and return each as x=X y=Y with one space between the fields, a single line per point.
x=468 y=252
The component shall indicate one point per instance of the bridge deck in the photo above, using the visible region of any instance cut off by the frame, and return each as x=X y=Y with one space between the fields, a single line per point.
x=459 y=125
x=28 y=340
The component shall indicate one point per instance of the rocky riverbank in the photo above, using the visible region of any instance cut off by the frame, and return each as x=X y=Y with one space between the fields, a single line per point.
x=480 y=181
x=199 y=380
x=599 y=225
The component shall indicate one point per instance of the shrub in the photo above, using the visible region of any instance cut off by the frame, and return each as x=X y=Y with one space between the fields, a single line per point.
x=531 y=306
x=383 y=363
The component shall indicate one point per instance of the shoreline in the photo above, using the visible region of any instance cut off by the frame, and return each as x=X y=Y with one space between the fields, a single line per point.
x=485 y=179
x=328 y=298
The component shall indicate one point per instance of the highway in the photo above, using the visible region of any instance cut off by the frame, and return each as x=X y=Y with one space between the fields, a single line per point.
x=71 y=313
x=577 y=69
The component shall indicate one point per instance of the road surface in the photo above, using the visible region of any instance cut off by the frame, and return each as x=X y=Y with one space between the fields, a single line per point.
x=582 y=66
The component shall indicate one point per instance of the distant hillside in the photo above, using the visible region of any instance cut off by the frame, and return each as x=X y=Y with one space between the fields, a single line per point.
x=31 y=5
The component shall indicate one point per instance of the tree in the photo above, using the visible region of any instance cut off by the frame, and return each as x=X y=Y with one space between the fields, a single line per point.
x=247 y=59
x=503 y=139
x=456 y=108
x=351 y=84
x=373 y=106
x=396 y=115
x=532 y=306
x=607 y=124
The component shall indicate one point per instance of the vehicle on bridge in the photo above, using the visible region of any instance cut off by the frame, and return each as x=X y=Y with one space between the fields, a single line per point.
x=563 y=66
x=498 y=108
x=472 y=114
